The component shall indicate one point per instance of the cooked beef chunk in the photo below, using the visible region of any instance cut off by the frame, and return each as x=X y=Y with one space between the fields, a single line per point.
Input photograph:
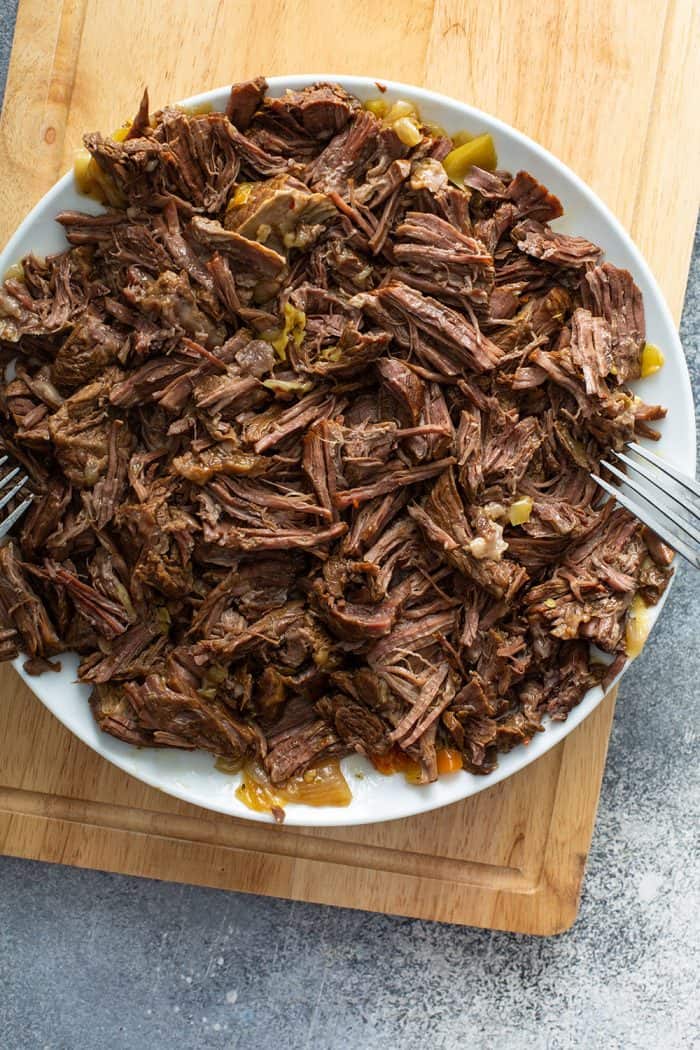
x=453 y=334
x=322 y=110
x=356 y=725
x=439 y=259
x=539 y=241
x=137 y=652
x=282 y=404
x=90 y=347
x=170 y=302
x=244 y=100
x=611 y=293
x=22 y=609
x=532 y=200
x=245 y=254
x=444 y=523
x=194 y=159
x=114 y=714
x=362 y=152
x=170 y=718
x=80 y=429
x=295 y=749
x=589 y=594
x=281 y=212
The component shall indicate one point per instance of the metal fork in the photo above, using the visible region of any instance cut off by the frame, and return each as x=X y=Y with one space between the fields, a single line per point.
x=7 y=497
x=683 y=490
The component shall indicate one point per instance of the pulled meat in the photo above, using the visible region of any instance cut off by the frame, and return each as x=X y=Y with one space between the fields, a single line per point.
x=278 y=403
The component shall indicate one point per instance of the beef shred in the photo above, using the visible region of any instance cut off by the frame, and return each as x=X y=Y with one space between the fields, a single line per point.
x=278 y=402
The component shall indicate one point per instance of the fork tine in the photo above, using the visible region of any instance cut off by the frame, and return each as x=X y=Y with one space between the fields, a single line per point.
x=8 y=477
x=16 y=514
x=647 y=517
x=686 y=526
x=13 y=491
x=681 y=499
x=3 y=460
x=673 y=472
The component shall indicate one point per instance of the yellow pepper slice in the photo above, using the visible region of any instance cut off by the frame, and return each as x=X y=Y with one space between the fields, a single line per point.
x=378 y=106
x=652 y=360
x=120 y=134
x=638 y=626
x=460 y=137
x=294 y=324
x=479 y=151
x=15 y=272
x=519 y=511
x=93 y=182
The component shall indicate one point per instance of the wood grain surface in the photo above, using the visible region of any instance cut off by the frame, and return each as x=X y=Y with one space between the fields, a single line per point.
x=607 y=86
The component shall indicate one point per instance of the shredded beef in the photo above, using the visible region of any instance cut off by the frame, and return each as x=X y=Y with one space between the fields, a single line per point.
x=278 y=403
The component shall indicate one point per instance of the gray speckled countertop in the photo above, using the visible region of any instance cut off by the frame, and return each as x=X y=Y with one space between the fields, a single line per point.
x=92 y=960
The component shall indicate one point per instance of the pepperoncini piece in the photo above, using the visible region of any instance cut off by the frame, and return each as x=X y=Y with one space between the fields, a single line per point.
x=401 y=115
x=120 y=134
x=652 y=360
x=480 y=152
x=400 y=108
x=15 y=272
x=81 y=170
x=638 y=626
x=199 y=110
x=460 y=137
x=284 y=386
x=519 y=511
x=294 y=324
x=377 y=106
x=407 y=131
x=243 y=192
x=93 y=181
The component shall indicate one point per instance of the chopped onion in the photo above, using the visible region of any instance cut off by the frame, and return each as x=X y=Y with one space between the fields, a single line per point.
x=323 y=785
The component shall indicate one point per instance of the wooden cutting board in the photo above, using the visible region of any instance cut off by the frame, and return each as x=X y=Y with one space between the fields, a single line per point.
x=606 y=85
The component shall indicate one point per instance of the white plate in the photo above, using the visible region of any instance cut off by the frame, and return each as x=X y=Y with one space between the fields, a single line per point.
x=192 y=776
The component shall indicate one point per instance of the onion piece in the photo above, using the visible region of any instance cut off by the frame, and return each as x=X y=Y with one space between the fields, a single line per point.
x=322 y=785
